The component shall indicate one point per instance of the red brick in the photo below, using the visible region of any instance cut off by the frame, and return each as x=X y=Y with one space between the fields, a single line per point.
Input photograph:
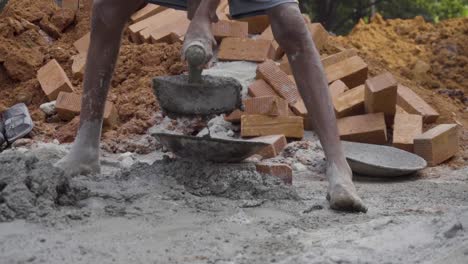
x=68 y=106
x=299 y=108
x=381 y=95
x=369 y=128
x=338 y=57
x=234 y=117
x=337 y=88
x=235 y=49
x=260 y=125
x=261 y=88
x=53 y=80
x=406 y=127
x=281 y=171
x=266 y=105
x=438 y=144
x=141 y=31
x=319 y=34
x=268 y=35
x=413 y=104
x=147 y=11
x=257 y=24
x=279 y=81
x=82 y=44
x=277 y=144
x=350 y=102
x=78 y=66
x=352 y=71
x=168 y=29
x=224 y=28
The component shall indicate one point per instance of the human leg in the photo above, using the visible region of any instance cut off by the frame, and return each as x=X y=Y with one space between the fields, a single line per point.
x=295 y=39
x=108 y=21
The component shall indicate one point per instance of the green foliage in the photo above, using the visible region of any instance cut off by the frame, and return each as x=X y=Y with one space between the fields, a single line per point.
x=340 y=16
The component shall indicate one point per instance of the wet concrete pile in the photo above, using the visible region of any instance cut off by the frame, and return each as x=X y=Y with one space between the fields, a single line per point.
x=234 y=181
x=30 y=188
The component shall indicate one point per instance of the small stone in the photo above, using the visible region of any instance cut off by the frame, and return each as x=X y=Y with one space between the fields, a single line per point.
x=48 y=108
x=25 y=98
x=22 y=142
x=452 y=232
x=299 y=167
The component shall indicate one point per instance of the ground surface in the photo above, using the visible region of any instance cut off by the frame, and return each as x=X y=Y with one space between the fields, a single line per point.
x=179 y=212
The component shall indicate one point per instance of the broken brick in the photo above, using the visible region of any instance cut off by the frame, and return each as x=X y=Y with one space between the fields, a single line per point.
x=369 y=128
x=224 y=28
x=279 y=81
x=319 y=34
x=255 y=50
x=169 y=28
x=68 y=106
x=260 y=125
x=53 y=80
x=261 y=88
x=276 y=144
x=268 y=35
x=266 y=105
x=413 y=104
x=257 y=24
x=350 y=102
x=147 y=11
x=337 y=88
x=82 y=44
x=381 y=95
x=281 y=171
x=234 y=117
x=438 y=144
x=406 y=127
x=352 y=71
x=78 y=66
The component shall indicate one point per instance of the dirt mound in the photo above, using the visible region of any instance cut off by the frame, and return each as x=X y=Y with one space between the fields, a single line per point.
x=32 y=33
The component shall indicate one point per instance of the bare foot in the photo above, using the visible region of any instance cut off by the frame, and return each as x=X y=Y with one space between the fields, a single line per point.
x=80 y=162
x=342 y=194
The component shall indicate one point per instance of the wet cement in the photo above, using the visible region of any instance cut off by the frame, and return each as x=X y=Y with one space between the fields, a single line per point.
x=175 y=211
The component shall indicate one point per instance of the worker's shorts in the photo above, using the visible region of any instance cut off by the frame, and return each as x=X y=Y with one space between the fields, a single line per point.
x=237 y=8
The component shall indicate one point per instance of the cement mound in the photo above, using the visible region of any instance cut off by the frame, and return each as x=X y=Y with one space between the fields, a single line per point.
x=233 y=181
x=30 y=188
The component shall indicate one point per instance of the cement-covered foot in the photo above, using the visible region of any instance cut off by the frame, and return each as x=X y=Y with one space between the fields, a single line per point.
x=80 y=162
x=342 y=194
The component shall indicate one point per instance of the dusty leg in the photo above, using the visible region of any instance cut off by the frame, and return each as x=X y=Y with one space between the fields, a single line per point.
x=293 y=36
x=108 y=20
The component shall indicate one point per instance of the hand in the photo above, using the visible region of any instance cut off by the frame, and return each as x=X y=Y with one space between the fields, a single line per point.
x=200 y=31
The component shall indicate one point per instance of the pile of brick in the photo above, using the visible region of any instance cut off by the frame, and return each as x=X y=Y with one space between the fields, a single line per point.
x=57 y=86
